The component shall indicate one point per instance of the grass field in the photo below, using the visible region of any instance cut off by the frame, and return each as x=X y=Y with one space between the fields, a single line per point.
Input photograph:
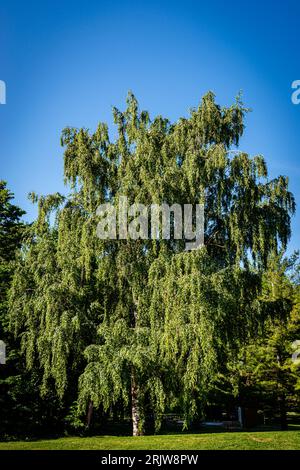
x=280 y=440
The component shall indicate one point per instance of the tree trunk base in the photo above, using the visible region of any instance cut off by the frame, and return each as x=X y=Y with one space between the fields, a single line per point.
x=135 y=409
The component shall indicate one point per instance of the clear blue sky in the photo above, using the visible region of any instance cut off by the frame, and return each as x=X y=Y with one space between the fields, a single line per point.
x=67 y=62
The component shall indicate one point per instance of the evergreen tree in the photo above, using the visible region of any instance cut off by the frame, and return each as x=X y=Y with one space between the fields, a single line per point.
x=11 y=229
x=264 y=374
x=11 y=232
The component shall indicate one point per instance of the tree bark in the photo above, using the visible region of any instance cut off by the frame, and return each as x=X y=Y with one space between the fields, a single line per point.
x=282 y=397
x=135 y=409
x=89 y=414
x=283 y=414
x=137 y=428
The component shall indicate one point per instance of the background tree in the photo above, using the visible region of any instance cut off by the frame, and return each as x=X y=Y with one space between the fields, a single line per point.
x=264 y=374
x=11 y=229
x=11 y=380
x=22 y=411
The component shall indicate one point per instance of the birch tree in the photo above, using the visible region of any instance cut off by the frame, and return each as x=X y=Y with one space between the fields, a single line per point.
x=146 y=315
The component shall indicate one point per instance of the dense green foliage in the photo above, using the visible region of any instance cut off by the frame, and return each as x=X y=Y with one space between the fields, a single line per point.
x=114 y=323
x=11 y=230
x=263 y=373
x=22 y=410
x=10 y=239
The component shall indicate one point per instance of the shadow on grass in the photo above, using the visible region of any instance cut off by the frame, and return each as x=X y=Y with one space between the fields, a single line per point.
x=124 y=430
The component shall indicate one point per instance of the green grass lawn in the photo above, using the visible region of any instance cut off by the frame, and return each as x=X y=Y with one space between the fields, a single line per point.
x=281 y=440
